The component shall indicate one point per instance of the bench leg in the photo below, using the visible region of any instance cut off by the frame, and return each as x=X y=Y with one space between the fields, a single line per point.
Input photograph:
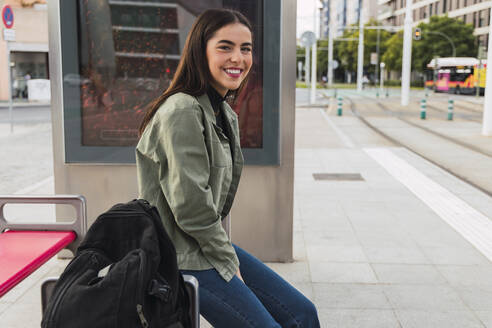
x=192 y=288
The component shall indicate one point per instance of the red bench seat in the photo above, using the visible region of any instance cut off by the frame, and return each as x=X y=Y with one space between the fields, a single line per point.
x=22 y=252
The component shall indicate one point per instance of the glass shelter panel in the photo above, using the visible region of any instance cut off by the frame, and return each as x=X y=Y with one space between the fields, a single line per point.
x=126 y=55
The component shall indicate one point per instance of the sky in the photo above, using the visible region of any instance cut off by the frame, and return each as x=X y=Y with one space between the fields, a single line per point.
x=305 y=13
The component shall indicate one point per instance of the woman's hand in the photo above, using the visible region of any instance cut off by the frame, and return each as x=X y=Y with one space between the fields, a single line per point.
x=238 y=274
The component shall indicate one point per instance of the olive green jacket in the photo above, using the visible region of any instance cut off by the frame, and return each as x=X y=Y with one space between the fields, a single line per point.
x=187 y=169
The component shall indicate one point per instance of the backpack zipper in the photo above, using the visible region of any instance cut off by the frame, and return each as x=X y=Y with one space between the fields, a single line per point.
x=143 y=262
x=144 y=322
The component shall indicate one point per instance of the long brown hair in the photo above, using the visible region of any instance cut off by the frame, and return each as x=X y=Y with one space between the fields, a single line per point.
x=192 y=74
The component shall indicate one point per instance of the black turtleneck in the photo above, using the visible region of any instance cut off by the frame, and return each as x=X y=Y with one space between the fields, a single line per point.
x=216 y=100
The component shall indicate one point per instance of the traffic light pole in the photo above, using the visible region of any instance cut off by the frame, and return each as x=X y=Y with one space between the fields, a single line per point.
x=314 y=59
x=487 y=103
x=407 y=55
x=360 y=56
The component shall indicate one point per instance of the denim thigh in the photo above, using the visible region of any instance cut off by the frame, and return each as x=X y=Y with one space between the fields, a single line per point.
x=229 y=304
x=288 y=306
x=263 y=300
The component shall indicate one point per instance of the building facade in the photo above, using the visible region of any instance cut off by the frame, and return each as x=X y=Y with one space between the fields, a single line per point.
x=29 y=51
x=343 y=13
x=475 y=12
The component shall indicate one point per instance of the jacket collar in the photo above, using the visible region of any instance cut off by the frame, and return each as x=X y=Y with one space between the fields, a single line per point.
x=207 y=107
x=204 y=101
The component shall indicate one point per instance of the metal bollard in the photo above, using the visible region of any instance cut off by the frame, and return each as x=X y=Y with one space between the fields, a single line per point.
x=450 y=109
x=387 y=93
x=423 y=108
x=339 y=109
x=426 y=93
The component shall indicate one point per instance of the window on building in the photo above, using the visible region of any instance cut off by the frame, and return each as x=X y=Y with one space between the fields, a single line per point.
x=444 y=6
x=465 y=3
x=457 y=4
x=437 y=8
x=475 y=19
x=430 y=9
x=481 y=18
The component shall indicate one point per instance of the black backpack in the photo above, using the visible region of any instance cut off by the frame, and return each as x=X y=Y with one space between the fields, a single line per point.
x=124 y=274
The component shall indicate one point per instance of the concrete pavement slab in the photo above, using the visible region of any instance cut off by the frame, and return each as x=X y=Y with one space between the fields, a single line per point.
x=432 y=319
x=397 y=255
x=477 y=298
x=408 y=274
x=450 y=254
x=424 y=297
x=485 y=317
x=467 y=275
x=347 y=318
x=333 y=253
x=350 y=296
x=341 y=272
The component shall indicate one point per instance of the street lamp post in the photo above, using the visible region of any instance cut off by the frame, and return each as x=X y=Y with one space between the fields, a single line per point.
x=330 y=54
x=314 y=58
x=487 y=103
x=407 y=55
x=360 y=56
x=381 y=79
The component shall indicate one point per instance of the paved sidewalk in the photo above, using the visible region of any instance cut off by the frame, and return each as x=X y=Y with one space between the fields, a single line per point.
x=376 y=252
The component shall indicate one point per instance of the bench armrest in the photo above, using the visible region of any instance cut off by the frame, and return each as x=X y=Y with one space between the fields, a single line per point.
x=78 y=225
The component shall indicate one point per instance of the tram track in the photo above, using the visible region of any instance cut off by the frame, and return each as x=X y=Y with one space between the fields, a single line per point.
x=441 y=135
x=397 y=115
x=399 y=143
x=467 y=117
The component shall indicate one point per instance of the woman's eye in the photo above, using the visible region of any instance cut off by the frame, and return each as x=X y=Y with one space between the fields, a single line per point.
x=246 y=49
x=224 y=47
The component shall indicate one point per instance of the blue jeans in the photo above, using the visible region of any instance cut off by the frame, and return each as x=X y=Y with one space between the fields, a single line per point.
x=264 y=299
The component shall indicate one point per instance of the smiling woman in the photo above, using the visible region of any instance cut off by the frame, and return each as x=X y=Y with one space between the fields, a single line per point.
x=189 y=163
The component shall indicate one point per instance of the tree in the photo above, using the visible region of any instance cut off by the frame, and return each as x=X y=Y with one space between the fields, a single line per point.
x=392 y=57
x=347 y=51
x=432 y=43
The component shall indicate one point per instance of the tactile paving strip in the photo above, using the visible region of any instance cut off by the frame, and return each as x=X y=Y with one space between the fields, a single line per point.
x=470 y=223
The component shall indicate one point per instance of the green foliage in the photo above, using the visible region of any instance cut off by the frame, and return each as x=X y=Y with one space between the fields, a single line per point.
x=346 y=51
x=432 y=43
x=394 y=49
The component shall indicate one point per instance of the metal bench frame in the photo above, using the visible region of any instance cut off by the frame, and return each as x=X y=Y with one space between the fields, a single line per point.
x=79 y=225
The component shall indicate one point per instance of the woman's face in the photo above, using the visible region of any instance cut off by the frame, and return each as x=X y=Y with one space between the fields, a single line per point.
x=229 y=55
